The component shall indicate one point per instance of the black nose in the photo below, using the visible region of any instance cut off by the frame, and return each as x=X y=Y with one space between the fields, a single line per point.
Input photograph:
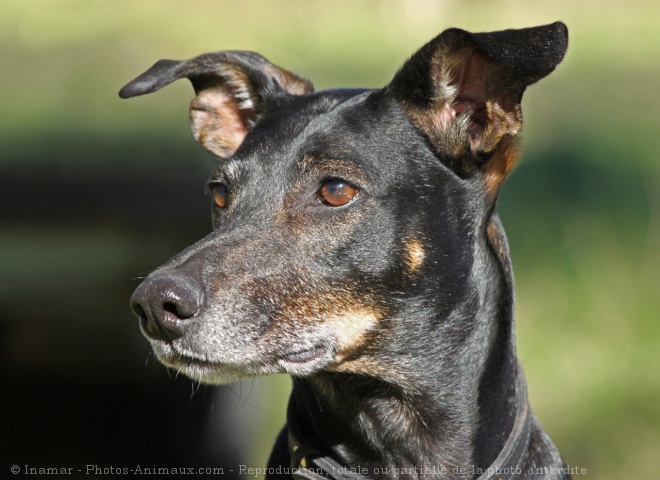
x=165 y=303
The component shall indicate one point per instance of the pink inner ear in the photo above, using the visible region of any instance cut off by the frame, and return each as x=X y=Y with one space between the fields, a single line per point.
x=469 y=76
x=487 y=116
x=217 y=123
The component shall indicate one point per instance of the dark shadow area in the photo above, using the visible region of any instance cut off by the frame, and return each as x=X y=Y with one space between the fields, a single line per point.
x=81 y=221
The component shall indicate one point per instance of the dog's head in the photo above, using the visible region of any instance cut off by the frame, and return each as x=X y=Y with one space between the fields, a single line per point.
x=345 y=221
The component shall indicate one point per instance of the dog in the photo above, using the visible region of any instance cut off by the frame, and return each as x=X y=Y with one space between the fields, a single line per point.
x=356 y=246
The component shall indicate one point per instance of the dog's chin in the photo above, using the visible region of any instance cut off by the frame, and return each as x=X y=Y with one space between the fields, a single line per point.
x=210 y=373
x=299 y=363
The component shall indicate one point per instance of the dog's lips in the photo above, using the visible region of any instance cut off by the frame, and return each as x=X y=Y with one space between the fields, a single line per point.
x=173 y=356
x=300 y=361
x=306 y=361
x=180 y=361
x=209 y=371
x=305 y=356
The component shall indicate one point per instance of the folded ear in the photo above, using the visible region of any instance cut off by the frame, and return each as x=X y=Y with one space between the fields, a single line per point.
x=463 y=91
x=233 y=90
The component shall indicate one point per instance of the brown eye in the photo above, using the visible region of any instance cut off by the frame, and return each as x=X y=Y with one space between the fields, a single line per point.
x=220 y=194
x=337 y=193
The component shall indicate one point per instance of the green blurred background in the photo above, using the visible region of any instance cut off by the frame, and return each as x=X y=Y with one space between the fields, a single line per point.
x=97 y=191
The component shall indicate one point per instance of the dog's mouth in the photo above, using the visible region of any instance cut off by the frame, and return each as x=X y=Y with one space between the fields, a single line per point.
x=299 y=362
x=211 y=372
x=306 y=361
x=305 y=356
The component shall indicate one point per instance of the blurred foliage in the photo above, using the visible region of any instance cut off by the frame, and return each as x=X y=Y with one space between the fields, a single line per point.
x=582 y=211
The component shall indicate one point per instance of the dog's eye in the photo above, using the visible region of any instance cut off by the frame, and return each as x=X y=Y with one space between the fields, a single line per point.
x=337 y=193
x=220 y=194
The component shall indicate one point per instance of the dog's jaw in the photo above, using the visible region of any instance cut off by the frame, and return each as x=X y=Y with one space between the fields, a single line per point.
x=204 y=370
x=217 y=369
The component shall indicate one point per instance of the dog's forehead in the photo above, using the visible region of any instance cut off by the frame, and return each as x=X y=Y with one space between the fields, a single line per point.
x=341 y=125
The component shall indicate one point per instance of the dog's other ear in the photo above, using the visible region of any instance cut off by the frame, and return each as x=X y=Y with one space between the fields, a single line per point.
x=233 y=90
x=463 y=91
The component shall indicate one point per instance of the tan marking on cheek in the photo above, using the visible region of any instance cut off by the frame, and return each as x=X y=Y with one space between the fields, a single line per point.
x=338 y=316
x=415 y=254
x=350 y=327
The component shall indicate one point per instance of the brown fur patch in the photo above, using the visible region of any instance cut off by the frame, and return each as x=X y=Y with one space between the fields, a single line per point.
x=414 y=254
x=500 y=122
x=497 y=240
x=501 y=164
x=351 y=326
x=289 y=81
x=345 y=317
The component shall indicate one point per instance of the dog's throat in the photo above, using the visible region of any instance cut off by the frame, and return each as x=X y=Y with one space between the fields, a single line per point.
x=312 y=459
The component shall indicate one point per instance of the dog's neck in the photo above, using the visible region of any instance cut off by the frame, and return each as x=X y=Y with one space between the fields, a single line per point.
x=450 y=414
x=366 y=423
